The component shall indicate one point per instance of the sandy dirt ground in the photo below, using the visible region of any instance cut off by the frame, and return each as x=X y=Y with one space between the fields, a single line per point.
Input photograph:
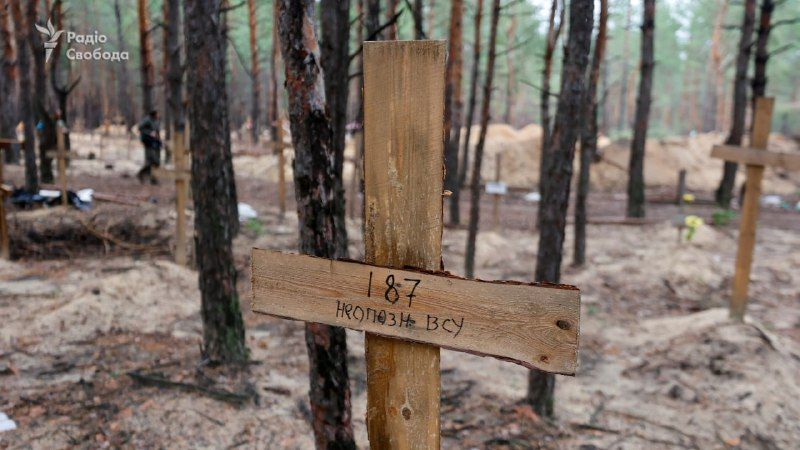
x=88 y=323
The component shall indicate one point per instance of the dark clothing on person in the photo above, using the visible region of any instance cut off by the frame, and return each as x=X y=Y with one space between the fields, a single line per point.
x=148 y=134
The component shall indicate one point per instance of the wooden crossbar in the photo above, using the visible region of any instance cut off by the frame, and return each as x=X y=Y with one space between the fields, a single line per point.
x=757 y=157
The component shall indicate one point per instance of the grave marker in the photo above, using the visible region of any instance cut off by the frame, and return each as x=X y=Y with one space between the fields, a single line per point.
x=756 y=157
x=408 y=314
x=182 y=175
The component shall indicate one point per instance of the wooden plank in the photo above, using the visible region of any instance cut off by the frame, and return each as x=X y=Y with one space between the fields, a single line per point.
x=403 y=178
x=757 y=157
x=180 y=198
x=752 y=196
x=534 y=326
x=171 y=174
x=62 y=164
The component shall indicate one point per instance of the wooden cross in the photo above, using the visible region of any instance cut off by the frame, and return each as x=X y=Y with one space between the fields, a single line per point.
x=496 y=189
x=408 y=308
x=755 y=157
x=182 y=175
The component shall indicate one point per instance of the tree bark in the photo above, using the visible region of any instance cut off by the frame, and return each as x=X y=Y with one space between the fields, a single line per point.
x=212 y=176
x=391 y=10
x=589 y=137
x=320 y=210
x=419 y=24
x=452 y=108
x=511 y=36
x=8 y=84
x=475 y=181
x=636 y=165
x=555 y=196
x=553 y=31
x=334 y=59
x=473 y=93
x=174 y=69
x=146 y=55
x=123 y=83
x=714 y=69
x=372 y=18
x=255 y=73
x=41 y=103
x=22 y=30
x=759 y=85
x=724 y=192
x=622 y=122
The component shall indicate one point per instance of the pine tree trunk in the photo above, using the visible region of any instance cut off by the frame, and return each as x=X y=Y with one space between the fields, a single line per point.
x=511 y=36
x=8 y=83
x=391 y=10
x=475 y=181
x=123 y=84
x=636 y=166
x=762 y=50
x=255 y=73
x=174 y=70
x=41 y=101
x=212 y=176
x=419 y=25
x=555 y=198
x=452 y=108
x=320 y=210
x=553 y=30
x=335 y=58
x=714 y=69
x=26 y=114
x=146 y=56
x=372 y=18
x=724 y=192
x=589 y=138
x=622 y=121
x=473 y=93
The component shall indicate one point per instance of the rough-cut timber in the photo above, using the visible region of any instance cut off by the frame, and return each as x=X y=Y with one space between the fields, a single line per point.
x=535 y=326
x=724 y=192
x=475 y=179
x=757 y=157
x=752 y=196
x=212 y=175
x=643 y=100
x=589 y=138
x=555 y=195
x=403 y=135
x=320 y=210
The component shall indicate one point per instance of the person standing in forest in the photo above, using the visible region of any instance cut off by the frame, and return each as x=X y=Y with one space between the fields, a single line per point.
x=149 y=135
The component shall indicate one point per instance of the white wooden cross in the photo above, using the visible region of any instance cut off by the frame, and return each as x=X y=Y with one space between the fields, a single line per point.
x=409 y=308
x=756 y=157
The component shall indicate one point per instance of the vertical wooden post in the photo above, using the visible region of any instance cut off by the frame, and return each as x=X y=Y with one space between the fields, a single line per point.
x=5 y=249
x=62 y=163
x=681 y=187
x=752 y=195
x=403 y=136
x=181 y=169
x=498 y=161
x=281 y=172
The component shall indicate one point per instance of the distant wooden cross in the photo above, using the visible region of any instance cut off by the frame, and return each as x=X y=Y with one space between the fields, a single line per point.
x=407 y=306
x=496 y=189
x=756 y=157
x=182 y=175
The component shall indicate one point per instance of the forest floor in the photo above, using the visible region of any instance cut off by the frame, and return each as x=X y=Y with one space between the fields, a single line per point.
x=94 y=313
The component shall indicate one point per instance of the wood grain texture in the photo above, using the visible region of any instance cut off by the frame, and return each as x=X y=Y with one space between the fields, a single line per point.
x=403 y=184
x=62 y=164
x=181 y=193
x=747 y=225
x=757 y=157
x=535 y=326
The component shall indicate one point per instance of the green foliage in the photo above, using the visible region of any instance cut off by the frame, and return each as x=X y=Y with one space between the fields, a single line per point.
x=254 y=227
x=722 y=217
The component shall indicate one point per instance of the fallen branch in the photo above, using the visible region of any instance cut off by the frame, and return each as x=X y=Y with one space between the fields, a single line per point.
x=159 y=380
